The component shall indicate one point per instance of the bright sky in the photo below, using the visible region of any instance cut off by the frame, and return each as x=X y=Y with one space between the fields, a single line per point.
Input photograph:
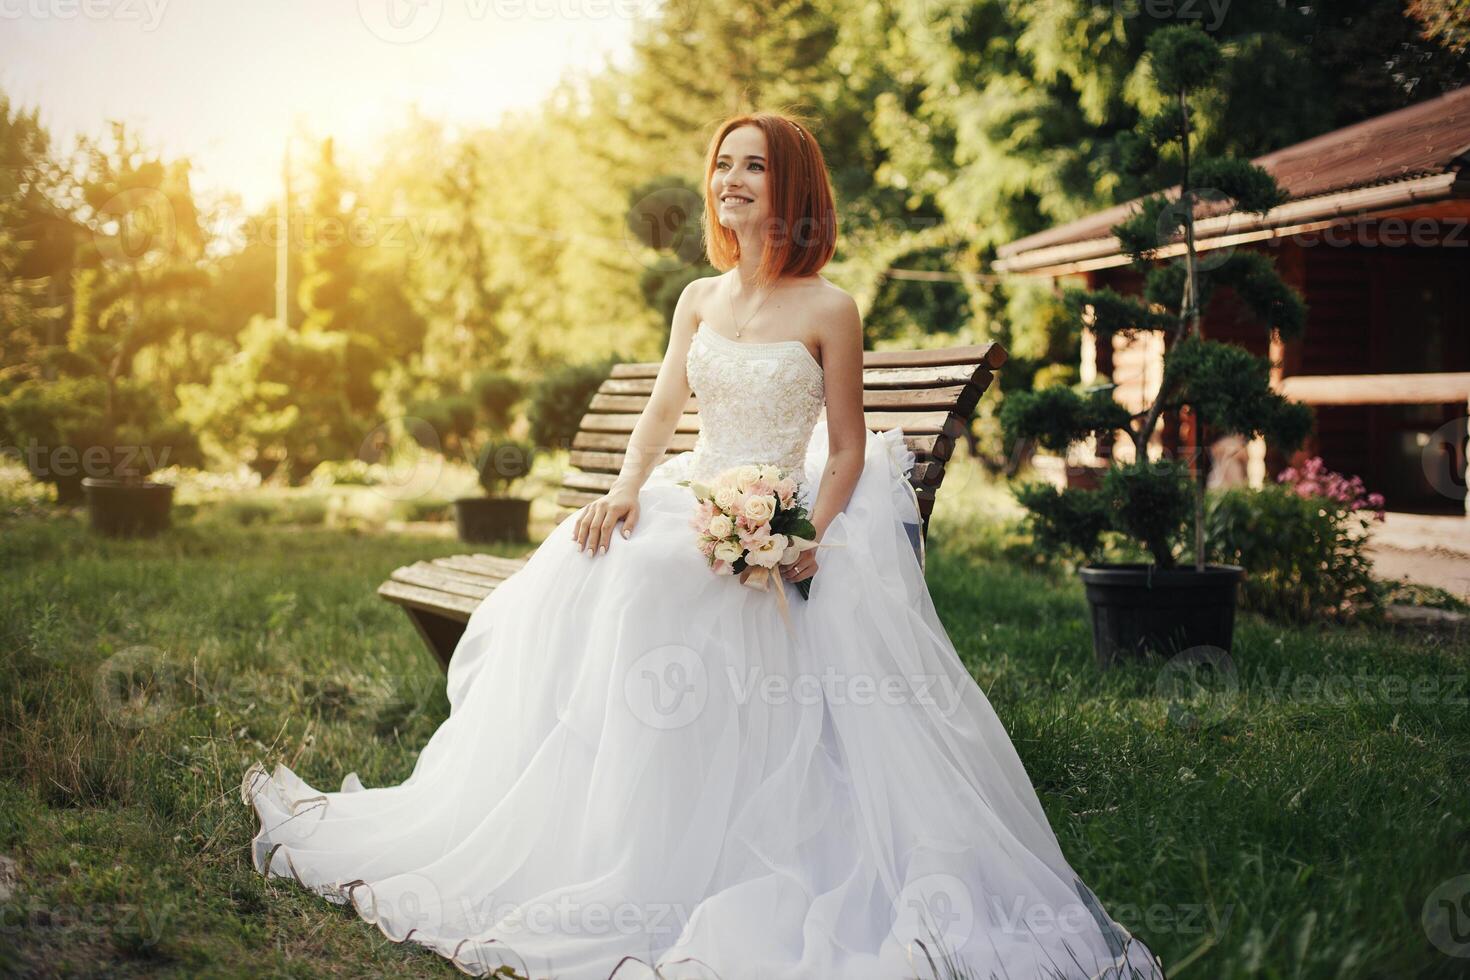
x=224 y=81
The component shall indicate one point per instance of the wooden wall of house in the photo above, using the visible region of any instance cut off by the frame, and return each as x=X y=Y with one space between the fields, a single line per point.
x=1372 y=309
x=1378 y=309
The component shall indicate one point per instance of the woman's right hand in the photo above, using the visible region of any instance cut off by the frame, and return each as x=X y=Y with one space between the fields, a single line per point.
x=594 y=527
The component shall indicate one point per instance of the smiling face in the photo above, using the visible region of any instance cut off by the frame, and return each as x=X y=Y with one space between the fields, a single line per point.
x=738 y=181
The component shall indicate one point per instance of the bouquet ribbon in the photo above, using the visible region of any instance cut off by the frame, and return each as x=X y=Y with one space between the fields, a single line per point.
x=761 y=578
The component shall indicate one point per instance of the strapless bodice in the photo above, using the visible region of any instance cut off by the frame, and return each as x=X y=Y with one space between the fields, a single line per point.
x=758 y=402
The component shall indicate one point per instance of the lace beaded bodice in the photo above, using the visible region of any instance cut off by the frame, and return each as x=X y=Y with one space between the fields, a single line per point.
x=758 y=403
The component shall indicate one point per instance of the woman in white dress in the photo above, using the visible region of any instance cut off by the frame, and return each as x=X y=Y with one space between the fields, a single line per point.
x=646 y=771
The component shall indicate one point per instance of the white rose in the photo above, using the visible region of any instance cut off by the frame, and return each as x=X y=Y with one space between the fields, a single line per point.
x=771 y=474
x=726 y=498
x=720 y=526
x=727 y=551
x=747 y=474
x=768 y=553
x=759 y=508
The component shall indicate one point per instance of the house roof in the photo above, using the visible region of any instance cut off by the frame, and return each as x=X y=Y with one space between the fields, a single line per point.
x=1412 y=154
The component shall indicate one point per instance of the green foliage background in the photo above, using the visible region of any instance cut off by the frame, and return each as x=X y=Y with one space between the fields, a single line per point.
x=950 y=127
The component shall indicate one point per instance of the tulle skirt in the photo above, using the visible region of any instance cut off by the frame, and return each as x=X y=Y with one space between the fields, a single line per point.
x=645 y=768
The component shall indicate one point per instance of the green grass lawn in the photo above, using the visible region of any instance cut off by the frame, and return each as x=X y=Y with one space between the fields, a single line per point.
x=1283 y=829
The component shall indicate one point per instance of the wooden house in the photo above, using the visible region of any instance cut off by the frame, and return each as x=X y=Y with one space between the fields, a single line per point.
x=1376 y=237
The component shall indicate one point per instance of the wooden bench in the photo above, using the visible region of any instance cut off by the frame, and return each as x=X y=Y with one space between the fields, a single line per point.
x=929 y=393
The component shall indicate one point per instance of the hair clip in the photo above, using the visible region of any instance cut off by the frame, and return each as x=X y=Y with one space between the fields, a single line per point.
x=800 y=133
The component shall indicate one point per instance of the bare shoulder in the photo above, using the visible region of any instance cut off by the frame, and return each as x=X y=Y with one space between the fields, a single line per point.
x=702 y=291
x=836 y=315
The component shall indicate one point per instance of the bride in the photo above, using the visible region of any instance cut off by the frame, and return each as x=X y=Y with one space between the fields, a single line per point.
x=646 y=771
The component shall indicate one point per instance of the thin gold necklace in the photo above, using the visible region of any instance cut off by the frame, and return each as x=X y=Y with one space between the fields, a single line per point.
x=730 y=295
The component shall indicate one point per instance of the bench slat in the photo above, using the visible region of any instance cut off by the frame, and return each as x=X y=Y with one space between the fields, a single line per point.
x=611 y=461
x=494 y=565
x=425 y=576
x=950 y=398
x=990 y=356
x=873 y=378
x=429 y=600
x=927 y=473
x=618 y=441
x=923 y=421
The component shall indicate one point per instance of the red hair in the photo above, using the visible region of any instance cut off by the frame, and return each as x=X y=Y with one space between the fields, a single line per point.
x=801 y=236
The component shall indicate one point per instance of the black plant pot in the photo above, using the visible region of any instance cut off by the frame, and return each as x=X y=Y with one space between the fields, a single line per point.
x=118 y=509
x=1142 y=609
x=486 y=519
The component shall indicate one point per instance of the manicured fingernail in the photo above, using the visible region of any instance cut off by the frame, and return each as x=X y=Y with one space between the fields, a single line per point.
x=602 y=550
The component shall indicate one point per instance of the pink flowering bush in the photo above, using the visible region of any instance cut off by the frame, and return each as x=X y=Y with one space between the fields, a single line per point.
x=1314 y=479
x=1303 y=543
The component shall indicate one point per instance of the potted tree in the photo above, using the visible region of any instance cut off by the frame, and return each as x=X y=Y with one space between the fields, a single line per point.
x=1159 y=605
x=477 y=425
x=98 y=417
x=100 y=442
x=497 y=516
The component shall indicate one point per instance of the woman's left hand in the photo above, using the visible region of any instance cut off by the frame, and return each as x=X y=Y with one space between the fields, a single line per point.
x=805 y=566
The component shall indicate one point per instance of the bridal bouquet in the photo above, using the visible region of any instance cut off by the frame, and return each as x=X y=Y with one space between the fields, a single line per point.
x=750 y=517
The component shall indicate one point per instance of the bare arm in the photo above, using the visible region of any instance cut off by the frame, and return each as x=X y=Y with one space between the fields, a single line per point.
x=847 y=432
x=650 y=437
x=660 y=417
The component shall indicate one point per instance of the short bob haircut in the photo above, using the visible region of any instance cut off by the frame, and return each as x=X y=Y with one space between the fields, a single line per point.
x=801 y=234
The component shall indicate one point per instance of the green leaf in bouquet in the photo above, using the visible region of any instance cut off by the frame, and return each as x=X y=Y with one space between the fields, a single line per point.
x=802 y=528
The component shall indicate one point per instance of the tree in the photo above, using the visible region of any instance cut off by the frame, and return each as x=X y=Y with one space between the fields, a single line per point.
x=29 y=317
x=138 y=278
x=1225 y=387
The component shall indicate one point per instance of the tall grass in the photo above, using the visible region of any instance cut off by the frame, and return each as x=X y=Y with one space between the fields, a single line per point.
x=1280 y=833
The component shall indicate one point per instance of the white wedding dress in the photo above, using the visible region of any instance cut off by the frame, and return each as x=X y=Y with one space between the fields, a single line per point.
x=644 y=768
